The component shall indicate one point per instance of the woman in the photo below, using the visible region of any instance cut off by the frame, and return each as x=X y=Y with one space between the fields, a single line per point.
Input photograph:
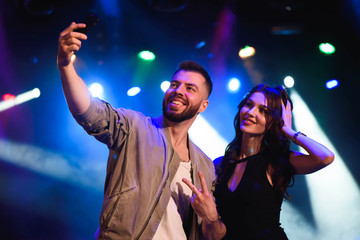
x=258 y=166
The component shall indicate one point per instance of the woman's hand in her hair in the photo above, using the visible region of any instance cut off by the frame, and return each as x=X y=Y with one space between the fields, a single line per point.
x=287 y=118
x=286 y=115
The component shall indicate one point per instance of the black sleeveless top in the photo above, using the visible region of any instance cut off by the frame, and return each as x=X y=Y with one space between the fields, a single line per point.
x=252 y=211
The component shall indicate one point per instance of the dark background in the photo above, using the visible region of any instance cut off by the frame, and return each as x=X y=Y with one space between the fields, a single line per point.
x=52 y=173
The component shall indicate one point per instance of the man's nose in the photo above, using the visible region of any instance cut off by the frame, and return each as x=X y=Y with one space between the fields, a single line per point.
x=180 y=89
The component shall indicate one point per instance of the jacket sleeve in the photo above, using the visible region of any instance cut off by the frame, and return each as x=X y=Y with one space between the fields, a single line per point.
x=106 y=124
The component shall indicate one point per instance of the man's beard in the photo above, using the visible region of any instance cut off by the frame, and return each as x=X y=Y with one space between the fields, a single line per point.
x=188 y=113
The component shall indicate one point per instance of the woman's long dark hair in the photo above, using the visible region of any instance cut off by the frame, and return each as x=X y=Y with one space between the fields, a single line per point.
x=274 y=141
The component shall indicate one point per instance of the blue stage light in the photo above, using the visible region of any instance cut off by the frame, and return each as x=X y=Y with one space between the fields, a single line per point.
x=332 y=84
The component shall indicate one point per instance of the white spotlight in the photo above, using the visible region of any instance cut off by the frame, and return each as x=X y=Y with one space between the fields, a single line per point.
x=333 y=191
x=21 y=98
x=207 y=138
x=96 y=90
x=133 y=91
x=36 y=92
x=289 y=81
x=234 y=85
x=246 y=52
x=165 y=85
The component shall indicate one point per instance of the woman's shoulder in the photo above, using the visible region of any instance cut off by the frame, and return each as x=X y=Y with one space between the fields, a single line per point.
x=217 y=162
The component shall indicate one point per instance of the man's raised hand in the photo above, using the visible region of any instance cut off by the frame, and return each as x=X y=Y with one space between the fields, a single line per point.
x=69 y=42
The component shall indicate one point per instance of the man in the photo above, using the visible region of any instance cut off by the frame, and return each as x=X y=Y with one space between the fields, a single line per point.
x=149 y=187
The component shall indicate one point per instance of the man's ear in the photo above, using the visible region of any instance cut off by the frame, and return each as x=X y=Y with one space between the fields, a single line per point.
x=203 y=105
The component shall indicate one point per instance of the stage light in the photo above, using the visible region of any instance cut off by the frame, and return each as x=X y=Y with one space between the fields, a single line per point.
x=51 y=164
x=327 y=48
x=234 y=85
x=332 y=84
x=133 y=91
x=24 y=97
x=333 y=191
x=165 y=85
x=96 y=90
x=200 y=44
x=246 y=52
x=73 y=57
x=8 y=96
x=207 y=138
x=289 y=81
x=21 y=98
x=146 y=55
x=36 y=93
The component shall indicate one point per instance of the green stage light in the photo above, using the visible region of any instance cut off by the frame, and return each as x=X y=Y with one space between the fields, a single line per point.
x=146 y=55
x=327 y=48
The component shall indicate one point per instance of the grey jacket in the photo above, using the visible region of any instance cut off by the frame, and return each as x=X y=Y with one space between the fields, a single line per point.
x=141 y=165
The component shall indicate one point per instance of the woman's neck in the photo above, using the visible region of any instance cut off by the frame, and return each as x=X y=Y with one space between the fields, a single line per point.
x=250 y=145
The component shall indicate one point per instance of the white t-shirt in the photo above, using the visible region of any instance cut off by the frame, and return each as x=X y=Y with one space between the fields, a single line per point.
x=178 y=208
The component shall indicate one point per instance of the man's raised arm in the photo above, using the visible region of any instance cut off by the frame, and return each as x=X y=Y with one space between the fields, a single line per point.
x=76 y=92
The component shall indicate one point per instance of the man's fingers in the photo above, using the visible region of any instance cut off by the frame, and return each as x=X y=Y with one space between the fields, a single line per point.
x=191 y=186
x=69 y=42
x=68 y=29
x=203 y=190
x=70 y=35
x=73 y=26
x=71 y=29
x=203 y=182
x=72 y=41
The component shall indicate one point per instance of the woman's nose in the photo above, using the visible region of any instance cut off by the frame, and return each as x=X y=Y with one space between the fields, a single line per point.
x=252 y=112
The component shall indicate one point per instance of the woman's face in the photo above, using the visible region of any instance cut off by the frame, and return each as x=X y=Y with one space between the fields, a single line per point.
x=253 y=115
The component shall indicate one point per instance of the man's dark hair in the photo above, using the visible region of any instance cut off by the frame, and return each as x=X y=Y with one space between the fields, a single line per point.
x=193 y=66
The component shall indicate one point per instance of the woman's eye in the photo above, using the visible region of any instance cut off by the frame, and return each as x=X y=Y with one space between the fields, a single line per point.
x=264 y=110
x=248 y=104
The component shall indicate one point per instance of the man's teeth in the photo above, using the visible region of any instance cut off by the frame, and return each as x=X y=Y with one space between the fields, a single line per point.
x=176 y=102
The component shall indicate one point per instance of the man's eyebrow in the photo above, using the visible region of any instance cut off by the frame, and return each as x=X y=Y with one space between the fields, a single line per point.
x=186 y=83
x=192 y=84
